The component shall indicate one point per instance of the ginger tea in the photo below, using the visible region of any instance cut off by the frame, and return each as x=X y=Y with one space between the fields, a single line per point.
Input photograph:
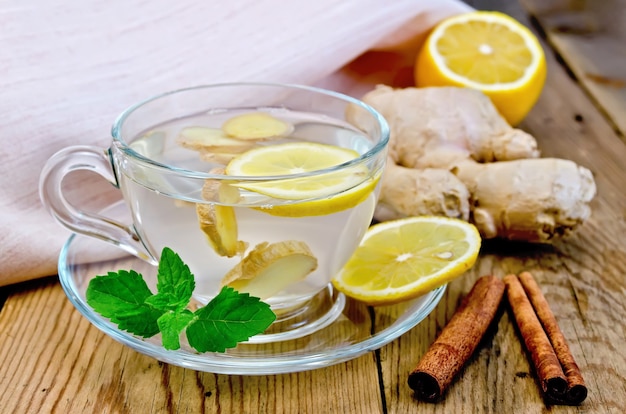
x=281 y=238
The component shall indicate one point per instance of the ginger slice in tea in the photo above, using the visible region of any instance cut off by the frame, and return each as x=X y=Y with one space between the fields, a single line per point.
x=219 y=222
x=270 y=268
x=217 y=157
x=211 y=140
x=256 y=126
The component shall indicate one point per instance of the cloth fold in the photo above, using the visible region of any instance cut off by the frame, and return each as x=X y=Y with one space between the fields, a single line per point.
x=70 y=67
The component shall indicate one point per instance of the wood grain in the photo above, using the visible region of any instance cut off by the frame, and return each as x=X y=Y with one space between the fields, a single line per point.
x=590 y=36
x=53 y=360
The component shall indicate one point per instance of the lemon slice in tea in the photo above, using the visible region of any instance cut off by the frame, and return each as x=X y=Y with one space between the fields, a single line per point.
x=336 y=190
x=406 y=258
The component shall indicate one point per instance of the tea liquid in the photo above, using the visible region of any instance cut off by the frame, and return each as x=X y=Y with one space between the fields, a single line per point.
x=166 y=209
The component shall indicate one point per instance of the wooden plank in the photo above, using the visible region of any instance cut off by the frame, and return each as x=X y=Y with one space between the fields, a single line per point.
x=590 y=36
x=54 y=360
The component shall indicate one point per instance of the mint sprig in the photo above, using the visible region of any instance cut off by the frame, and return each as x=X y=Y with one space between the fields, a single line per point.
x=229 y=318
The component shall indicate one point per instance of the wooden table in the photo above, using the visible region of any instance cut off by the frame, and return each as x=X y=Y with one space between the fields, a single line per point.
x=53 y=360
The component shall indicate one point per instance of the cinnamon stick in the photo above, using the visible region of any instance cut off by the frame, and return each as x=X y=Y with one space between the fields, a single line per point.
x=458 y=340
x=547 y=366
x=576 y=388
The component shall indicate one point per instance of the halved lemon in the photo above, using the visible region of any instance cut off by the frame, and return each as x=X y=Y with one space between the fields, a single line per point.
x=488 y=51
x=329 y=192
x=402 y=259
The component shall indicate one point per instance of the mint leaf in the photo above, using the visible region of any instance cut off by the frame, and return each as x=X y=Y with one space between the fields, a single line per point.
x=125 y=298
x=171 y=325
x=121 y=297
x=175 y=283
x=229 y=318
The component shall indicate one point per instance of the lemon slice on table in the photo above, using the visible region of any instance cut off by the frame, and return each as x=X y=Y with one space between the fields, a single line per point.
x=336 y=190
x=406 y=258
x=488 y=51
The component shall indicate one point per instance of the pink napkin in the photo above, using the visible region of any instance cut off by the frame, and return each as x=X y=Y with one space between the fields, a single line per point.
x=68 y=67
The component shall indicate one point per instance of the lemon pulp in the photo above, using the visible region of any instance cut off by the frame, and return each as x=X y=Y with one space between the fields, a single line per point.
x=406 y=258
x=488 y=51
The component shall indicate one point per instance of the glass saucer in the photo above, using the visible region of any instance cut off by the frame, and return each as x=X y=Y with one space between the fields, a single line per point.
x=357 y=330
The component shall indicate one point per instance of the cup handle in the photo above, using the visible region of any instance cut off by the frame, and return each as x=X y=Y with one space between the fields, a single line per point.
x=97 y=160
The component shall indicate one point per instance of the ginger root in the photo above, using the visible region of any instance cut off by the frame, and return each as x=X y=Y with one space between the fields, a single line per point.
x=533 y=199
x=451 y=153
x=403 y=189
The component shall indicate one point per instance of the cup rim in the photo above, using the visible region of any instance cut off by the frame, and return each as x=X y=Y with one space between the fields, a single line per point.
x=372 y=152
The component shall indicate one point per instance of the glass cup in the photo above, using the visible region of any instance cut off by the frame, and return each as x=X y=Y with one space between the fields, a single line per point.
x=170 y=156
